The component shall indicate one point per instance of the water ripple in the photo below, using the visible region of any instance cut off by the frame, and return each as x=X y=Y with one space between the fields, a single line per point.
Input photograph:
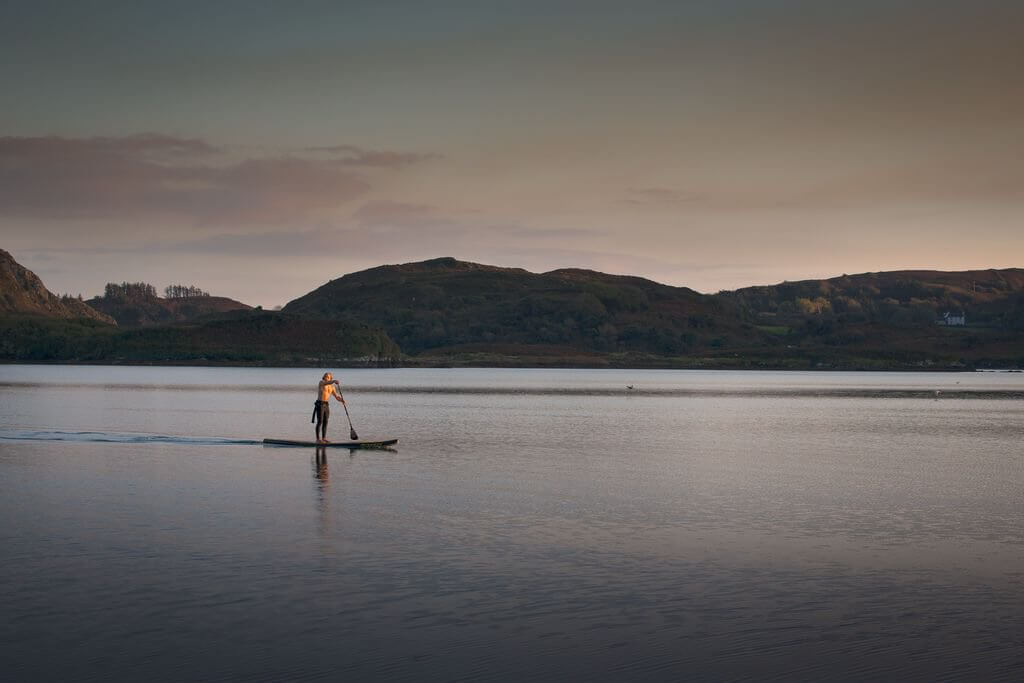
x=119 y=437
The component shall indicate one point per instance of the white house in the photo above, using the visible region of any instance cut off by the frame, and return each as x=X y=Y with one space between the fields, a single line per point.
x=952 y=319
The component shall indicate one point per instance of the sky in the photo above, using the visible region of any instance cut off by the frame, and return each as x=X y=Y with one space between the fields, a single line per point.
x=259 y=149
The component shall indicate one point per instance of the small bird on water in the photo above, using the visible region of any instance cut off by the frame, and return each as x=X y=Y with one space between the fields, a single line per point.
x=629 y=386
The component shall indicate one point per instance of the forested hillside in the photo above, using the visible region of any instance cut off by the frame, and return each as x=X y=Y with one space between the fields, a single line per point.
x=449 y=312
x=449 y=305
x=469 y=312
x=987 y=298
x=244 y=337
x=136 y=304
x=36 y=325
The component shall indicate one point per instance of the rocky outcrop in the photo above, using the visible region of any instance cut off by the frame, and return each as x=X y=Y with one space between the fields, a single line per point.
x=22 y=292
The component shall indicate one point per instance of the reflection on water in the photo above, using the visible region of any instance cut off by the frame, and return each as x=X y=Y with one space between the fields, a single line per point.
x=322 y=479
x=534 y=524
x=320 y=472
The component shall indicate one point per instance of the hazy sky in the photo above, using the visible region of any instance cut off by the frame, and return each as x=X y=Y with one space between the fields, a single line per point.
x=258 y=149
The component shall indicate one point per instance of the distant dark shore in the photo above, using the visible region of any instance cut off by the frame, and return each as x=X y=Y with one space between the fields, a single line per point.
x=540 y=364
x=448 y=313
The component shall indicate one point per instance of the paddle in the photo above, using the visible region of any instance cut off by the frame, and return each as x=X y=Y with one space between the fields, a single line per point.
x=351 y=430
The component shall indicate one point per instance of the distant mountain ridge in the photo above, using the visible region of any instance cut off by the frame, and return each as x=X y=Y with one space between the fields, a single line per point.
x=449 y=312
x=455 y=309
x=22 y=292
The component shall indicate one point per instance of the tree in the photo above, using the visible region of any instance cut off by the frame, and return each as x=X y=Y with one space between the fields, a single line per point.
x=129 y=291
x=813 y=307
x=183 y=292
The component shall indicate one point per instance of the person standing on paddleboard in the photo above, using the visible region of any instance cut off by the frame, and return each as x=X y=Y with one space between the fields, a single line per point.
x=321 y=407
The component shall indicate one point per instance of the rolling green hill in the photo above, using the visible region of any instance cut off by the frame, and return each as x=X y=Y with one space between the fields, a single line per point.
x=444 y=310
x=445 y=306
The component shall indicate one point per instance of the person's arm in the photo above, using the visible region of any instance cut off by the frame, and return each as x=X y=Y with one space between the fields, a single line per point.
x=337 y=391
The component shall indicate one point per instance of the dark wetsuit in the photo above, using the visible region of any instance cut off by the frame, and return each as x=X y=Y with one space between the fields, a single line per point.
x=321 y=414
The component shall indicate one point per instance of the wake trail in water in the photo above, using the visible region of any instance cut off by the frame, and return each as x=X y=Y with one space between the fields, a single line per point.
x=120 y=437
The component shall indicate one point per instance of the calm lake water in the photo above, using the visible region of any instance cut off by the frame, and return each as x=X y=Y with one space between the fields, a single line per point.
x=531 y=524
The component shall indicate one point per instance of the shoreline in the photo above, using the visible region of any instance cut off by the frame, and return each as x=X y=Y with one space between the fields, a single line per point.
x=532 y=364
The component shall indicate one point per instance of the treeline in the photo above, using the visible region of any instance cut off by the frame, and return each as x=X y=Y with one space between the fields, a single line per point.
x=255 y=337
x=129 y=290
x=183 y=292
x=136 y=291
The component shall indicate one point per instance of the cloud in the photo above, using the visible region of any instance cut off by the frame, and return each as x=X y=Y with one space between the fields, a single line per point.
x=351 y=155
x=384 y=220
x=381 y=229
x=387 y=212
x=997 y=179
x=643 y=196
x=532 y=234
x=387 y=231
x=324 y=243
x=152 y=176
x=144 y=144
x=989 y=175
x=271 y=190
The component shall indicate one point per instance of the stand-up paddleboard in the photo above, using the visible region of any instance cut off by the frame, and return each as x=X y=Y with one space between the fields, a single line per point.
x=383 y=443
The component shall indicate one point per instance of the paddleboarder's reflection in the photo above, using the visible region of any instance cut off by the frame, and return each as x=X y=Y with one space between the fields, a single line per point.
x=322 y=490
x=320 y=472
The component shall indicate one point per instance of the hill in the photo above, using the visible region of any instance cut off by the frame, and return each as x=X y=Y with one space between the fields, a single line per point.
x=991 y=298
x=136 y=305
x=896 y=318
x=445 y=306
x=450 y=311
x=36 y=325
x=22 y=292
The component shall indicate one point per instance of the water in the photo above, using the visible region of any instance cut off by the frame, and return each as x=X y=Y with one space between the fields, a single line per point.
x=530 y=525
